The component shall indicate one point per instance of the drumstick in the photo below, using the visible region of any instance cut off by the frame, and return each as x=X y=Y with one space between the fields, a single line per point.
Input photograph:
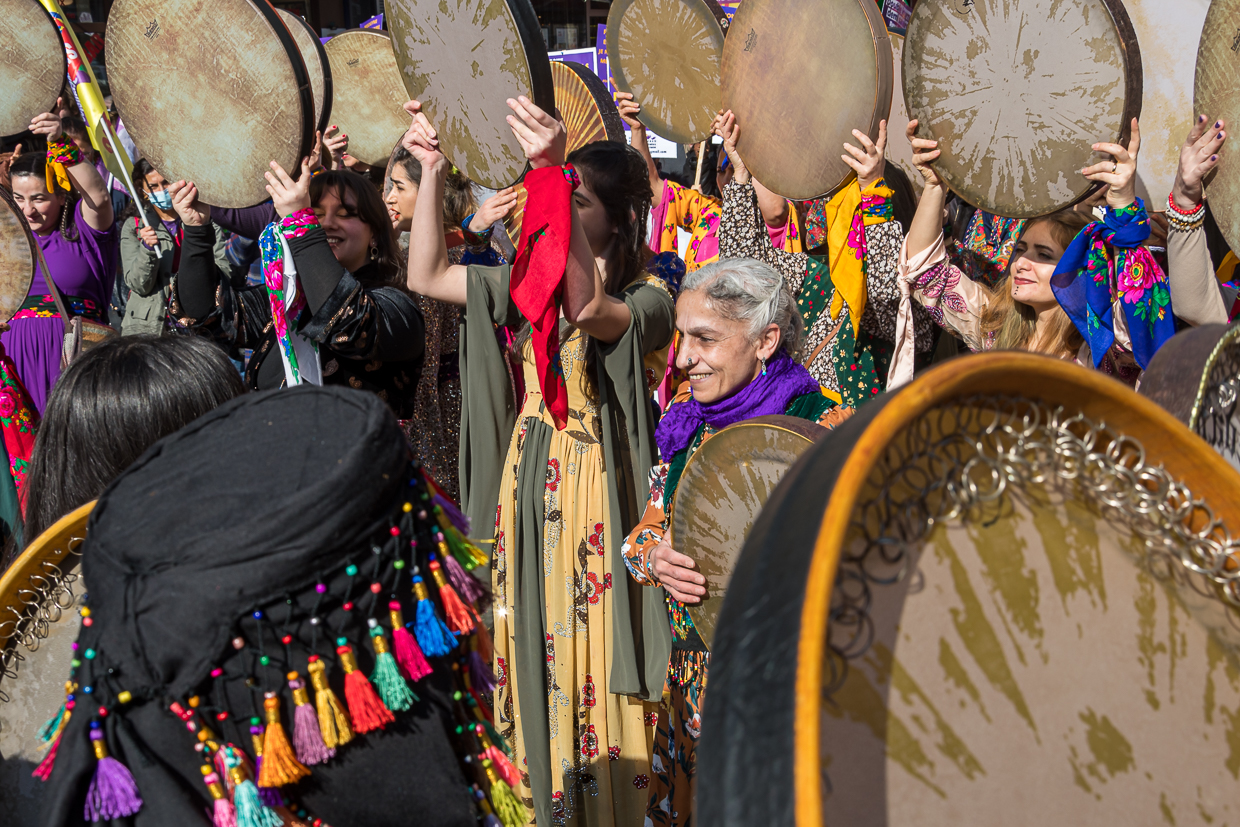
x=697 y=179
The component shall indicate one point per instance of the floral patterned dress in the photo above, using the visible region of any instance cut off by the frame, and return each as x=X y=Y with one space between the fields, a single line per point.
x=674 y=759
x=600 y=742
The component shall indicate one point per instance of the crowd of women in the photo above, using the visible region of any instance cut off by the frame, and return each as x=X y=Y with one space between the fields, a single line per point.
x=557 y=393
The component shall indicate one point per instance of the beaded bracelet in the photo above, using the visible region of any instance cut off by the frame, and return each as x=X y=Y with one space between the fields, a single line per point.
x=1184 y=221
x=1173 y=207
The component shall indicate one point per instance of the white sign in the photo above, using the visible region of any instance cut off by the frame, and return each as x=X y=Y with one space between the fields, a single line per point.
x=660 y=147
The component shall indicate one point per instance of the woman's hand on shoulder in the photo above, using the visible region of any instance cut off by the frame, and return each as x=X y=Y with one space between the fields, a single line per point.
x=422 y=141
x=1119 y=174
x=1198 y=157
x=544 y=139
x=925 y=153
x=289 y=196
x=187 y=204
x=868 y=160
x=677 y=573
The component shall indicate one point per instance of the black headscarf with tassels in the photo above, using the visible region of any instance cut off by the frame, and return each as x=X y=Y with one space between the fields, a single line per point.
x=224 y=558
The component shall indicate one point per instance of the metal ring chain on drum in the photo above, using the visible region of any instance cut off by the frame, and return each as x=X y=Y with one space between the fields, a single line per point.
x=50 y=593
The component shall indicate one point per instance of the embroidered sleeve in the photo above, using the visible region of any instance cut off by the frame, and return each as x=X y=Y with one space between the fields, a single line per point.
x=952 y=299
x=649 y=531
x=742 y=234
x=882 y=264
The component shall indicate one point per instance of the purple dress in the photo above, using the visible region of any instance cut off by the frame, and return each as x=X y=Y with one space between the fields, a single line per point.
x=85 y=271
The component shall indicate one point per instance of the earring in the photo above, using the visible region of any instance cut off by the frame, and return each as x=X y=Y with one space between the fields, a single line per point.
x=762 y=359
x=374 y=251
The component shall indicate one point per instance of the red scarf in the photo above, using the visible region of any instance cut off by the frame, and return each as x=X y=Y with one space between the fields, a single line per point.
x=537 y=282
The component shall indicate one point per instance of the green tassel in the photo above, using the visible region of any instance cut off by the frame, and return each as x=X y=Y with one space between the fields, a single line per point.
x=466 y=553
x=507 y=806
x=48 y=731
x=395 y=693
x=496 y=739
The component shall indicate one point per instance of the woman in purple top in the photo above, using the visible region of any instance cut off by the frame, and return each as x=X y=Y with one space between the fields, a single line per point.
x=75 y=228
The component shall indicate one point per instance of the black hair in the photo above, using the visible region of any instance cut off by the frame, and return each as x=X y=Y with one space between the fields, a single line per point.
x=110 y=405
x=459 y=202
x=34 y=165
x=141 y=169
x=370 y=208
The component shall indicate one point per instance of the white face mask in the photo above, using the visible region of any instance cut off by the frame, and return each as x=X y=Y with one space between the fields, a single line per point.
x=162 y=199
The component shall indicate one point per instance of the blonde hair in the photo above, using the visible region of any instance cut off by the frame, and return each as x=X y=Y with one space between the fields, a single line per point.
x=1013 y=324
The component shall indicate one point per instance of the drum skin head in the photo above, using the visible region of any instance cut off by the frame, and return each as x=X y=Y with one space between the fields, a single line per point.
x=723 y=487
x=1017 y=91
x=32 y=64
x=970 y=604
x=18 y=256
x=667 y=53
x=368 y=101
x=315 y=58
x=1216 y=92
x=585 y=105
x=838 y=54
x=211 y=92
x=465 y=101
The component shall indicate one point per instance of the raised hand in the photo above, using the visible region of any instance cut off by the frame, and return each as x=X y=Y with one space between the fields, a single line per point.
x=188 y=206
x=337 y=145
x=494 y=209
x=867 y=160
x=289 y=196
x=925 y=153
x=1198 y=157
x=421 y=140
x=729 y=130
x=1119 y=174
x=544 y=139
x=48 y=124
x=629 y=109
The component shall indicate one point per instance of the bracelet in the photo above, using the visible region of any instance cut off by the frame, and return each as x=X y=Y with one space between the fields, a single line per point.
x=1172 y=207
x=649 y=566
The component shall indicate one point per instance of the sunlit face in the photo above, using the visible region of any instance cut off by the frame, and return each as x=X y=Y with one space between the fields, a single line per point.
x=594 y=220
x=347 y=234
x=402 y=199
x=41 y=208
x=1033 y=264
x=717 y=352
x=154 y=182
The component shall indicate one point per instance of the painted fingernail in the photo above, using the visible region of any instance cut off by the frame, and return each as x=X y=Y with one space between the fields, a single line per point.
x=1201 y=118
x=1213 y=157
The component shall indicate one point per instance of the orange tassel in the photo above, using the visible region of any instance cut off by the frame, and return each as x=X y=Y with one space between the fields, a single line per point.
x=484 y=644
x=280 y=764
x=460 y=619
x=365 y=706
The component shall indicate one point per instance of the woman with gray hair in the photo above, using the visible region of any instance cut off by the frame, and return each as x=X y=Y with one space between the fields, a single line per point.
x=741 y=337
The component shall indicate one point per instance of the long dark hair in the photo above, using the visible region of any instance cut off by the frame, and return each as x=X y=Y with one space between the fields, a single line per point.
x=109 y=406
x=34 y=165
x=370 y=209
x=459 y=202
x=617 y=175
x=141 y=169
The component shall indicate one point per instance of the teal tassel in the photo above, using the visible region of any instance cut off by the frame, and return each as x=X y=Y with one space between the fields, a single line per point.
x=395 y=693
x=251 y=811
x=48 y=731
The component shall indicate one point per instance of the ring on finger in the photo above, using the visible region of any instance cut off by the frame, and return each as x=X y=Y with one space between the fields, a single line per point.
x=1114 y=168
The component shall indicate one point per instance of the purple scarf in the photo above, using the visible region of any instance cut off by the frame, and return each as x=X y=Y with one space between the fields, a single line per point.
x=767 y=395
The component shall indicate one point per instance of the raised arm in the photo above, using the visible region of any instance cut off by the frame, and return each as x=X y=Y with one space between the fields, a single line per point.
x=96 y=200
x=199 y=276
x=1196 y=295
x=637 y=137
x=430 y=273
x=927 y=226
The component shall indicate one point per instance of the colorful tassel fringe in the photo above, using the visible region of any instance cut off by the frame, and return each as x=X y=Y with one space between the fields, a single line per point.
x=44 y=770
x=449 y=510
x=470 y=588
x=386 y=678
x=113 y=793
x=460 y=618
x=481 y=675
x=333 y=720
x=484 y=644
x=251 y=812
x=223 y=812
x=280 y=764
x=433 y=636
x=365 y=706
x=408 y=654
x=508 y=807
x=307 y=739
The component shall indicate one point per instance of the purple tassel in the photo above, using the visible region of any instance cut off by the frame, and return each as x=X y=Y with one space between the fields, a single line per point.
x=454 y=514
x=307 y=738
x=481 y=677
x=113 y=793
x=268 y=795
x=470 y=588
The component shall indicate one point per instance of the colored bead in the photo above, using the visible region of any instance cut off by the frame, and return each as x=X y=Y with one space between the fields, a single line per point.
x=286 y=640
x=74 y=646
x=342 y=641
x=264 y=660
x=398 y=564
x=88 y=689
x=90 y=654
x=84 y=612
x=421 y=515
x=69 y=704
x=376 y=587
x=469 y=759
x=320 y=588
x=348 y=607
x=215 y=673
x=238 y=643
x=351 y=570
x=459 y=729
x=394 y=531
x=258 y=615
x=75 y=663
x=194 y=701
x=95 y=725
x=256 y=721
x=407 y=507
x=206 y=769
x=456 y=696
x=103 y=712
x=86 y=621
x=221 y=716
x=314 y=621
x=376 y=550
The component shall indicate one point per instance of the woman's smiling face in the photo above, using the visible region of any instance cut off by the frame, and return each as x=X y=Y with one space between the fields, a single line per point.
x=718 y=353
x=1033 y=263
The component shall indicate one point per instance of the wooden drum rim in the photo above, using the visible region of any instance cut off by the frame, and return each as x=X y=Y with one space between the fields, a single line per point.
x=49 y=548
x=325 y=115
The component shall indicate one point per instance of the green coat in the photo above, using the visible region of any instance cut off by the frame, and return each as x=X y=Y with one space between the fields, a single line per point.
x=148 y=275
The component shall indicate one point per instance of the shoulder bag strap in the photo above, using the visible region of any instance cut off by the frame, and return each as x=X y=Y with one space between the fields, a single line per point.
x=73 y=327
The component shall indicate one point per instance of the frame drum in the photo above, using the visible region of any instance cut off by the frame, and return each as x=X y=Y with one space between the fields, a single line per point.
x=667 y=54
x=315 y=57
x=40 y=595
x=1216 y=93
x=19 y=256
x=838 y=53
x=998 y=595
x=368 y=101
x=723 y=487
x=32 y=64
x=1016 y=92
x=589 y=114
x=211 y=92
x=464 y=97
